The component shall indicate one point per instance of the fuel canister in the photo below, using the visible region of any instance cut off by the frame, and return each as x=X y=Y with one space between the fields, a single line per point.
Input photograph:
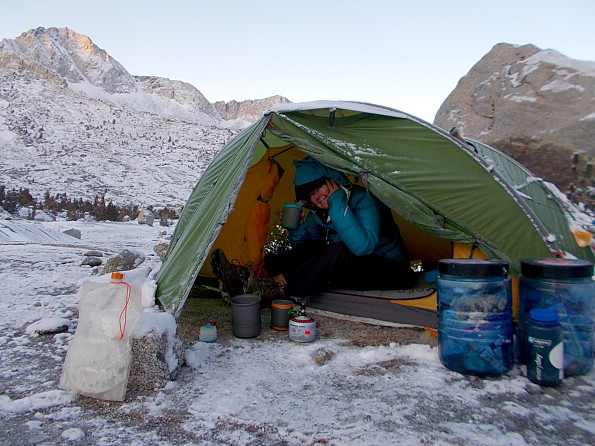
x=302 y=328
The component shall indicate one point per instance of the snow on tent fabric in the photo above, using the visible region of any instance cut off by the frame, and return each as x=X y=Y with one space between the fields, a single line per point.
x=450 y=197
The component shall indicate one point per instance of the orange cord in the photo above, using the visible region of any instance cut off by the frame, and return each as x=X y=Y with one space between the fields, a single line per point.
x=123 y=312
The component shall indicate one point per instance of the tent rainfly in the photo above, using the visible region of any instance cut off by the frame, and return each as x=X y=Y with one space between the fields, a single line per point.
x=446 y=193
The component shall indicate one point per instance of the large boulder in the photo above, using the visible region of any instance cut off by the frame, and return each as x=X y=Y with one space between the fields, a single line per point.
x=157 y=353
x=535 y=105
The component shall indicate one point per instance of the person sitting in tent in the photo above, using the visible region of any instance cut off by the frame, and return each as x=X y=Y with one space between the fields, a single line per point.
x=349 y=239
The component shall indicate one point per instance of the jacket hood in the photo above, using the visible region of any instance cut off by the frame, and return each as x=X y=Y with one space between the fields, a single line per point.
x=310 y=174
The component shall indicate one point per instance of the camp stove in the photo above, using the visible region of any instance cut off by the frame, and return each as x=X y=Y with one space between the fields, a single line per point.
x=302 y=328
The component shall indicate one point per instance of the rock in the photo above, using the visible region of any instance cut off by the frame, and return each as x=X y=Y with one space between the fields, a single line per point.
x=73 y=232
x=145 y=217
x=178 y=91
x=149 y=369
x=93 y=254
x=125 y=260
x=49 y=325
x=156 y=351
x=534 y=105
x=161 y=250
x=249 y=110
x=323 y=355
x=91 y=261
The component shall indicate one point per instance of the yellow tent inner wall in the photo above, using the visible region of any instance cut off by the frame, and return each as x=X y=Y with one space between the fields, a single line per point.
x=232 y=237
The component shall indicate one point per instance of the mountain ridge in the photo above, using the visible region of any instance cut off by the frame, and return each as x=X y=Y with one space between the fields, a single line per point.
x=72 y=119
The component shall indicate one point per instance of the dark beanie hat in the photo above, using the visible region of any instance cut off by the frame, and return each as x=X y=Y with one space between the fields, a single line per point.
x=310 y=174
x=303 y=191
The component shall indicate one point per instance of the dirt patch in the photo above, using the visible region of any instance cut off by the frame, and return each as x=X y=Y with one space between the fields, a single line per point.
x=207 y=305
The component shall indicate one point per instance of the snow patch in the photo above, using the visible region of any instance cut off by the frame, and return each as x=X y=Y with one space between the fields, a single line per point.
x=521 y=98
x=36 y=401
x=49 y=325
x=73 y=434
x=558 y=86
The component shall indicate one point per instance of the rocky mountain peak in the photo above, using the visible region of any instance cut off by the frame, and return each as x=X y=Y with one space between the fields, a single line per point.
x=72 y=56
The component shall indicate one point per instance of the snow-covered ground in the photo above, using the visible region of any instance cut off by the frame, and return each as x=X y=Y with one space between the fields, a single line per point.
x=249 y=392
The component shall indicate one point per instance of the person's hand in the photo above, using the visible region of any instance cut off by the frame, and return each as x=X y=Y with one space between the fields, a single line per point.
x=319 y=197
x=332 y=187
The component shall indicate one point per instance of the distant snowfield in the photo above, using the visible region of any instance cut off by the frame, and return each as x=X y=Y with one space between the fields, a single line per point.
x=249 y=392
x=50 y=141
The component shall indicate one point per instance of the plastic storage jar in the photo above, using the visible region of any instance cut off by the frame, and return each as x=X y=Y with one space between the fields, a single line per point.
x=475 y=327
x=567 y=286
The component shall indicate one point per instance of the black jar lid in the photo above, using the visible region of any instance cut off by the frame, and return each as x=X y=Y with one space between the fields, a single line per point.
x=555 y=268
x=473 y=267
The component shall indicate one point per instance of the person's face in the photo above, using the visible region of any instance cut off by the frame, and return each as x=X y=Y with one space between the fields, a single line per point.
x=319 y=197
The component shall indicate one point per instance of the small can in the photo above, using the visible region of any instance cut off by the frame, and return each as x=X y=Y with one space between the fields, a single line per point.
x=280 y=314
x=302 y=328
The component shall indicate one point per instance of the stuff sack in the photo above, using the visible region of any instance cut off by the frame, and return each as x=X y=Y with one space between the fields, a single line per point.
x=98 y=360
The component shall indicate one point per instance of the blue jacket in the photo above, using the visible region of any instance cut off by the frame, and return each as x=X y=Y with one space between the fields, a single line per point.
x=364 y=224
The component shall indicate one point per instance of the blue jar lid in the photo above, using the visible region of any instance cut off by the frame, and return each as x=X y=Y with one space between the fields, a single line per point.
x=544 y=315
x=555 y=268
x=473 y=267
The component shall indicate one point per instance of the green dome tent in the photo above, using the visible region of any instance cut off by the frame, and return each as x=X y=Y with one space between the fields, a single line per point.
x=442 y=190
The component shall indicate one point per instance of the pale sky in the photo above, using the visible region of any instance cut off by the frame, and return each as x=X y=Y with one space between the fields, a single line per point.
x=408 y=55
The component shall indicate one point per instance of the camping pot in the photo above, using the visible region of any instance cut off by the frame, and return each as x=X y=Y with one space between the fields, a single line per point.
x=280 y=314
x=567 y=286
x=245 y=315
x=302 y=328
